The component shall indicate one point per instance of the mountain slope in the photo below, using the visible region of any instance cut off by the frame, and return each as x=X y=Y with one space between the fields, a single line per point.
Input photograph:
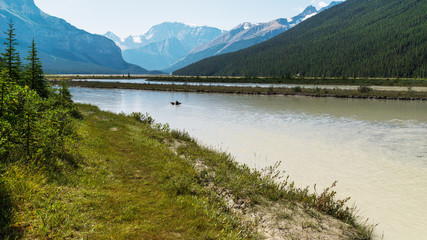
x=63 y=48
x=189 y=36
x=245 y=35
x=377 y=38
x=158 y=55
x=172 y=41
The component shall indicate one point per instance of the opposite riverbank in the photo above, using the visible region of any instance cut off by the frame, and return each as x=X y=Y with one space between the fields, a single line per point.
x=364 y=92
x=403 y=82
x=130 y=178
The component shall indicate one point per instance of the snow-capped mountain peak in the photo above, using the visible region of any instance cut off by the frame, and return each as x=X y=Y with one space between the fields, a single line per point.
x=137 y=39
x=164 y=42
x=245 y=35
x=190 y=35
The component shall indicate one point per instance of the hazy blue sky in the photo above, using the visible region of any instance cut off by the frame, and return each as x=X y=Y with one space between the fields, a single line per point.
x=126 y=17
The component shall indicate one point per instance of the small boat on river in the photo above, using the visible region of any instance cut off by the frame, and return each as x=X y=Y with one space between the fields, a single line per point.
x=176 y=103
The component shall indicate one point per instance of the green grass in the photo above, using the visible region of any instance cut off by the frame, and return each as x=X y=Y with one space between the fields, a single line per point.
x=127 y=185
x=127 y=179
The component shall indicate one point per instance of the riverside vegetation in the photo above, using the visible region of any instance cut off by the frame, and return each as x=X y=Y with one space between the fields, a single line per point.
x=133 y=178
x=284 y=79
x=36 y=134
x=290 y=79
x=361 y=92
x=74 y=172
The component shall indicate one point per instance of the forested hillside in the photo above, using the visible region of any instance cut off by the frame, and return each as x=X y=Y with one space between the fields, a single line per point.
x=245 y=35
x=363 y=38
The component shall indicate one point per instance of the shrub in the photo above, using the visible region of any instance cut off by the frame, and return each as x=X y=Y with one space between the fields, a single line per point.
x=144 y=118
x=297 y=89
x=34 y=127
x=364 y=89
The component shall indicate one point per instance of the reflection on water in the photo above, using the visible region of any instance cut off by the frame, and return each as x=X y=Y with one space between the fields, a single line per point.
x=376 y=149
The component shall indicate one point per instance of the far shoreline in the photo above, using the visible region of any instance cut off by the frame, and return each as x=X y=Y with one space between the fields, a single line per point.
x=360 y=81
x=364 y=92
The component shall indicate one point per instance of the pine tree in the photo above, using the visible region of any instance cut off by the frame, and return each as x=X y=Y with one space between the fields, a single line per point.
x=34 y=77
x=11 y=57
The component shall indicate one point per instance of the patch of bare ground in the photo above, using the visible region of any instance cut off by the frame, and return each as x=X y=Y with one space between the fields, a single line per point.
x=174 y=144
x=114 y=129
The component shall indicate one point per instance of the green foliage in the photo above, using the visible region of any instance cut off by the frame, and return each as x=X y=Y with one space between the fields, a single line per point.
x=144 y=118
x=269 y=185
x=35 y=119
x=364 y=89
x=33 y=127
x=363 y=38
x=313 y=92
x=37 y=134
x=181 y=135
x=11 y=57
x=297 y=89
x=34 y=77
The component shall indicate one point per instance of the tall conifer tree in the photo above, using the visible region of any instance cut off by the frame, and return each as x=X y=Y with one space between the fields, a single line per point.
x=34 y=77
x=11 y=57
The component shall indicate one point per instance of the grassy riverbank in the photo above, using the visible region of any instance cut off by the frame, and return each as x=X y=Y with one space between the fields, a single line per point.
x=363 y=91
x=128 y=178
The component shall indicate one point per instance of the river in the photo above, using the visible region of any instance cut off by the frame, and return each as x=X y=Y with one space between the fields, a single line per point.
x=375 y=149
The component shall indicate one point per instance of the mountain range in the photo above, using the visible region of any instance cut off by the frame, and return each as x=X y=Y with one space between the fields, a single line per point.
x=163 y=44
x=245 y=35
x=363 y=38
x=62 y=47
x=170 y=46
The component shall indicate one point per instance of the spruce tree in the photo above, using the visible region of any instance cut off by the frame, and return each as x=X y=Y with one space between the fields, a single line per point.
x=34 y=77
x=11 y=57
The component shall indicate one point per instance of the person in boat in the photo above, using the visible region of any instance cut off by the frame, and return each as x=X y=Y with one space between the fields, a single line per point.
x=176 y=103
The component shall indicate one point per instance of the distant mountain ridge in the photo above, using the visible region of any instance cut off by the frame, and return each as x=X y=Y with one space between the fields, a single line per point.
x=157 y=55
x=163 y=44
x=363 y=38
x=62 y=47
x=245 y=35
x=190 y=36
x=158 y=49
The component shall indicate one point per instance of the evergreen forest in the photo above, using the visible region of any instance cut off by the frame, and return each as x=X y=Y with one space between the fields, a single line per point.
x=358 y=38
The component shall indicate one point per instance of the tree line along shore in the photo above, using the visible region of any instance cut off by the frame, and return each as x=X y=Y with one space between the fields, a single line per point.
x=404 y=82
x=363 y=92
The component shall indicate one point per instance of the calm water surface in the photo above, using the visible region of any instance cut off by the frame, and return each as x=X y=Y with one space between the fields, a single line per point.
x=377 y=150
